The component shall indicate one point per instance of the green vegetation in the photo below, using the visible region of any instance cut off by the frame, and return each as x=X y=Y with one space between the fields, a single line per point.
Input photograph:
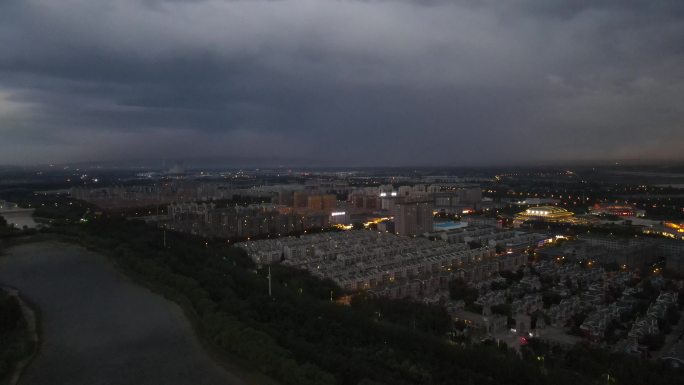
x=5 y=229
x=550 y=298
x=460 y=290
x=600 y=365
x=15 y=339
x=426 y=318
x=15 y=342
x=502 y=309
x=512 y=276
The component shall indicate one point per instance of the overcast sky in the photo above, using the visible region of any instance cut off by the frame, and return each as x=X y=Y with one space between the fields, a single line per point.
x=376 y=82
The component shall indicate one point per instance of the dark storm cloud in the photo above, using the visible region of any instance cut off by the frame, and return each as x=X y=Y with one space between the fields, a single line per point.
x=363 y=82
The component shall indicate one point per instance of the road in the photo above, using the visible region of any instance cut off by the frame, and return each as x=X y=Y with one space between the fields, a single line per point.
x=99 y=328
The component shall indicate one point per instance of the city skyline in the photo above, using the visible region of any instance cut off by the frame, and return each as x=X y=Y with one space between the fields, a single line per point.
x=341 y=83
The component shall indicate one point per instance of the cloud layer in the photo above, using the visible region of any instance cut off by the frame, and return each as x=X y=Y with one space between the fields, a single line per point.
x=386 y=82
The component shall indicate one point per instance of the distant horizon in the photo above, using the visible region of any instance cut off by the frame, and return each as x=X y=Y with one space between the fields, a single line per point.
x=217 y=163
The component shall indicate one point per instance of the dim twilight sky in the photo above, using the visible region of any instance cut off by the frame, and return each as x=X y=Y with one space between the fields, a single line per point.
x=345 y=82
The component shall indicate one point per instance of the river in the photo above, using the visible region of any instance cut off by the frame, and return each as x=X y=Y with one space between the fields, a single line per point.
x=100 y=328
x=19 y=218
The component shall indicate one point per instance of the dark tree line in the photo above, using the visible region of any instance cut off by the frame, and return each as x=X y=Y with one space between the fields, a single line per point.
x=14 y=339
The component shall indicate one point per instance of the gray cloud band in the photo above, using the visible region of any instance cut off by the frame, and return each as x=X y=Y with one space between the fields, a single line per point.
x=362 y=82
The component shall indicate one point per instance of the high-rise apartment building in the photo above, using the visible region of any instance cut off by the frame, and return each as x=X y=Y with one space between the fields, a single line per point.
x=325 y=202
x=413 y=218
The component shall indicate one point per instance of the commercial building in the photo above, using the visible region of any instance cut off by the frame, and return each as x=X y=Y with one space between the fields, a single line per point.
x=551 y=214
x=545 y=213
x=456 y=198
x=619 y=210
